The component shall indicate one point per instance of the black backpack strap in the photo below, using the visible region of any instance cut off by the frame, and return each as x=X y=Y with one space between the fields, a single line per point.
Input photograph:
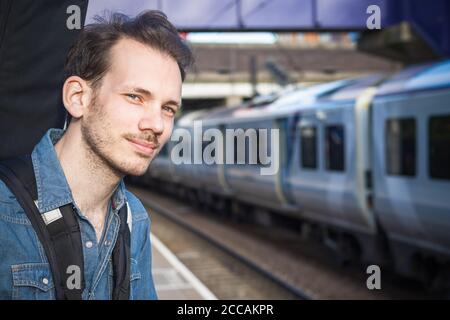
x=60 y=235
x=121 y=258
x=60 y=238
x=22 y=168
x=65 y=235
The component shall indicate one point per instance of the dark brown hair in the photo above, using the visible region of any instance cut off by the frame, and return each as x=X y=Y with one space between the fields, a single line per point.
x=89 y=56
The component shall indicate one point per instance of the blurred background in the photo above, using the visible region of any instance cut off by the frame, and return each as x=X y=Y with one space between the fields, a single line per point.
x=359 y=91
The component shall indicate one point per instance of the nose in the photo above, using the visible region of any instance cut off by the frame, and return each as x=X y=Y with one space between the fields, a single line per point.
x=152 y=119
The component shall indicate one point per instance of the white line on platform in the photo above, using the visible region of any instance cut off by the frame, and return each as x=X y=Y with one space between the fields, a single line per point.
x=181 y=268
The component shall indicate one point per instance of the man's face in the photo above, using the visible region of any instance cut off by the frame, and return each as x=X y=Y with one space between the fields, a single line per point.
x=132 y=114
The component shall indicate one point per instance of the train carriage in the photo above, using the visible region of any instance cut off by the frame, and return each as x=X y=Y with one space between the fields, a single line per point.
x=366 y=160
x=411 y=166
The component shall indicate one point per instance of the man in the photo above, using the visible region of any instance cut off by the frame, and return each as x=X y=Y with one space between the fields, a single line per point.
x=122 y=90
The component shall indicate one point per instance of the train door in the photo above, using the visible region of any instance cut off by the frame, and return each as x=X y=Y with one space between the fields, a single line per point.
x=411 y=172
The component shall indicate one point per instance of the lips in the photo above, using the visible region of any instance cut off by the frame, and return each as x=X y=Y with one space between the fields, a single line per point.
x=143 y=146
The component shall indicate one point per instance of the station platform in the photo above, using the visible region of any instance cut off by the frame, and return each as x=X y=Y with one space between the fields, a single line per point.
x=173 y=280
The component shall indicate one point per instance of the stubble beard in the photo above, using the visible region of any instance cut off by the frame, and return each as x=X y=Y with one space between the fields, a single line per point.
x=95 y=131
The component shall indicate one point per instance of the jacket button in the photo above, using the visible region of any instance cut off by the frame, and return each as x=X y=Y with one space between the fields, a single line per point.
x=45 y=281
x=88 y=244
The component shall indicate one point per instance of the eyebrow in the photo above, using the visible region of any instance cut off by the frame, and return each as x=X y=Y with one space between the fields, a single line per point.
x=148 y=94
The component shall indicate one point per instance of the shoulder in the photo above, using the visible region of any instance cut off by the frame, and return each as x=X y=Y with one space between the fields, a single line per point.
x=10 y=209
x=6 y=196
x=138 y=211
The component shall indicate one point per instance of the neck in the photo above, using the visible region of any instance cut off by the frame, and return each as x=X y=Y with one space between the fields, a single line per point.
x=91 y=181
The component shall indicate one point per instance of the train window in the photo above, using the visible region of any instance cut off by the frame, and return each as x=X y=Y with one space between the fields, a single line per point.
x=308 y=145
x=400 y=139
x=258 y=146
x=247 y=151
x=235 y=150
x=255 y=151
x=439 y=150
x=334 y=147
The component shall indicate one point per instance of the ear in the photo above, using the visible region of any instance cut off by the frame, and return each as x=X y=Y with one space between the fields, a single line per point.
x=76 y=96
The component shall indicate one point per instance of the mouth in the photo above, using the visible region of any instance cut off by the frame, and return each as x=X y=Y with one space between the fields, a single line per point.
x=143 y=147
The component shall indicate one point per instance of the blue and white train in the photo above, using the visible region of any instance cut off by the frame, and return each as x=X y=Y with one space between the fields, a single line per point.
x=365 y=161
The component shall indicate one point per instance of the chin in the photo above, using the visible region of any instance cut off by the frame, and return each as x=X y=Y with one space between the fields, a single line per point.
x=135 y=169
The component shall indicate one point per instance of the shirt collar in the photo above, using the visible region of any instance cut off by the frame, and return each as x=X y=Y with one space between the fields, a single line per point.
x=52 y=187
x=118 y=198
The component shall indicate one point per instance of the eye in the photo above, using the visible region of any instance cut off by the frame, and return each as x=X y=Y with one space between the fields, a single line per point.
x=134 y=97
x=169 y=109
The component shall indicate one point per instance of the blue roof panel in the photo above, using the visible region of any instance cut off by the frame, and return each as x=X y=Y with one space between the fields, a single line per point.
x=436 y=76
x=352 y=91
x=419 y=77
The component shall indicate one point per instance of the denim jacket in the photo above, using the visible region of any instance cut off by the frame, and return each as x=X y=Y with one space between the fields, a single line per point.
x=24 y=268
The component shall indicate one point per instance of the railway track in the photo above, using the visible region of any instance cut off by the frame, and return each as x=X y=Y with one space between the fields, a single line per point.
x=300 y=269
x=296 y=292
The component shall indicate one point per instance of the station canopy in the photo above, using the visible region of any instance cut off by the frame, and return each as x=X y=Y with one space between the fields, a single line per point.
x=241 y=15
